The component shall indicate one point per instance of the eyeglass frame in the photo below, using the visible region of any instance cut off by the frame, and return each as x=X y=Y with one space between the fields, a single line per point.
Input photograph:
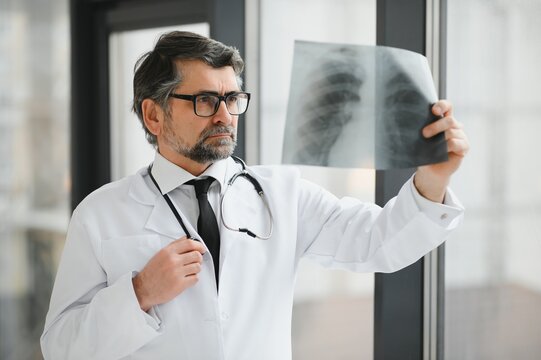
x=221 y=98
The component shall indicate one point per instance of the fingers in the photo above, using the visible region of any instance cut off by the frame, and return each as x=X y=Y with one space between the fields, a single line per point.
x=441 y=125
x=192 y=269
x=457 y=141
x=442 y=108
x=191 y=280
x=455 y=134
x=185 y=245
x=191 y=257
x=189 y=252
x=189 y=271
x=458 y=146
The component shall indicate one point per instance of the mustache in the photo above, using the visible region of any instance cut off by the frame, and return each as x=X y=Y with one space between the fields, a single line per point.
x=217 y=130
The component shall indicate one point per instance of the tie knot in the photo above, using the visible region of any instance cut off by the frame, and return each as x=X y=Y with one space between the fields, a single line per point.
x=201 y=185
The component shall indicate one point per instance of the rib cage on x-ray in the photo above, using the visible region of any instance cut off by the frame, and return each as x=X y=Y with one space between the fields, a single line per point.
x=328 y=105
x=399 y=141
x=360 y=106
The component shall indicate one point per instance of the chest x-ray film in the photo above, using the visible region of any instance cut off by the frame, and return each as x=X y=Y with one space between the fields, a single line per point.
x=360 y=107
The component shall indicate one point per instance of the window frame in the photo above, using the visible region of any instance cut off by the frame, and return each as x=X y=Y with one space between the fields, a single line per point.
x=92 y=21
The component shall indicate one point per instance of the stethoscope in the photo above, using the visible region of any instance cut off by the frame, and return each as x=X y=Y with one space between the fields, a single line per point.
x=243 y=173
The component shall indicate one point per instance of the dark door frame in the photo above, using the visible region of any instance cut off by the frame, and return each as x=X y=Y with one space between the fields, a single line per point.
x=92 y=21
x=399 y=327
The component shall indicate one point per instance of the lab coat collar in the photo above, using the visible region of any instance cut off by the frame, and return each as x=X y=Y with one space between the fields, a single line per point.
x=170 y=176
x=140 y=190
x=144 y=192
x=161 y=220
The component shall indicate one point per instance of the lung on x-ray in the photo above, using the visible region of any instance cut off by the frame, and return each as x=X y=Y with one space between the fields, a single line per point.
x=361 y=107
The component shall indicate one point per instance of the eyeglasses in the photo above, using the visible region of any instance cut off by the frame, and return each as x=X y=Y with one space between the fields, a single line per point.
x=207 y=104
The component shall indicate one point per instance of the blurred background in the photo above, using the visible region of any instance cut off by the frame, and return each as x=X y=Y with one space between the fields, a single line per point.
x=492 y=282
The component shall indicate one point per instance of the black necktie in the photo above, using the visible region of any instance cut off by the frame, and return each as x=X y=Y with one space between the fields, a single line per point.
x=207 y=226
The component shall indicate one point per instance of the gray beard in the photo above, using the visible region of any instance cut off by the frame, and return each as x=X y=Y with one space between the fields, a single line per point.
x=204 y=152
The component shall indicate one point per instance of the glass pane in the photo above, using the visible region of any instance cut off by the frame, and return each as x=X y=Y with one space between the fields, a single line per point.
x=34 y=166
x=333 y=311
x=493 y=287
x=129 y=149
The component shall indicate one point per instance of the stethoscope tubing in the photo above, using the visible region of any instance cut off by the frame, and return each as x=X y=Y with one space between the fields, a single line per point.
x=171 y=206
x=261 y=194
x=243 y=173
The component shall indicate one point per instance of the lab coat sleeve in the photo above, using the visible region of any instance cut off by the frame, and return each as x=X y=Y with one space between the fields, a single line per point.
x=352 y=235
x=86 y=318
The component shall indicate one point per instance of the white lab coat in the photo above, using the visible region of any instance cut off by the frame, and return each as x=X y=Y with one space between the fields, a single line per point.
x=94 y=313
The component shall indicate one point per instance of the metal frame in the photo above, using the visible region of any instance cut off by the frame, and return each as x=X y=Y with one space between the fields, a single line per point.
x=434 y=270
x=252 y=83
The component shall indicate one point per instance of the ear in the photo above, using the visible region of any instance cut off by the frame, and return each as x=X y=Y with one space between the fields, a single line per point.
x=153 y=116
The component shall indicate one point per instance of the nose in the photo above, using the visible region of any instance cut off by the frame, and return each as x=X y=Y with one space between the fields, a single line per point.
x=222 y=115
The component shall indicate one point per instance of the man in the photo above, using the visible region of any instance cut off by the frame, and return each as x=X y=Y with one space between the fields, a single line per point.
x=131 y=285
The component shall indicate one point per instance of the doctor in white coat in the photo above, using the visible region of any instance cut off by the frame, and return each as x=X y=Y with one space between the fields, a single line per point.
x=131 y=285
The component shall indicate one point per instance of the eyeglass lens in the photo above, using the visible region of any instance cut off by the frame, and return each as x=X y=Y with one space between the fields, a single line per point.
x=208 y=104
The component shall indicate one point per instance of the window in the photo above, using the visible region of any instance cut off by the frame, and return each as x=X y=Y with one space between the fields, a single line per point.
x=493 y=287
x=333 y=311
x=130 y=150
x=34 y=166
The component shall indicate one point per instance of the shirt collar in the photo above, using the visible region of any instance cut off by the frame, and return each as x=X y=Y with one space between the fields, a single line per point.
x=169 y=176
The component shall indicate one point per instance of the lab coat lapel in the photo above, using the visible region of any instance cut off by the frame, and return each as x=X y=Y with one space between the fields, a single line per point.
x=161 y=219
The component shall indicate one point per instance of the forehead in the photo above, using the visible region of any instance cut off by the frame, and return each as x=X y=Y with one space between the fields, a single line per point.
x=198 y=76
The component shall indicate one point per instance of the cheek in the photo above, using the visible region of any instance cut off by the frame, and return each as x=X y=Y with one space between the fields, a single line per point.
x=188 y=129
x=235 y=122
x=196 y=129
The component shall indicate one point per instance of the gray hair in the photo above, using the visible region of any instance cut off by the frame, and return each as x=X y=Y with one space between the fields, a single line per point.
x=158 y=73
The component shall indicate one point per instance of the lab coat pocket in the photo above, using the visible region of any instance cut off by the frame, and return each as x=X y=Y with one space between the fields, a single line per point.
x=129 y=253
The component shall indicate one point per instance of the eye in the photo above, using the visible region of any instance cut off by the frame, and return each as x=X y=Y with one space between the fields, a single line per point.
x=233 y=98
x=205 y=99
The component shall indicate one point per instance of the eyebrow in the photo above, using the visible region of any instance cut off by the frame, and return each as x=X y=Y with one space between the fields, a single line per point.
x=212 y=92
